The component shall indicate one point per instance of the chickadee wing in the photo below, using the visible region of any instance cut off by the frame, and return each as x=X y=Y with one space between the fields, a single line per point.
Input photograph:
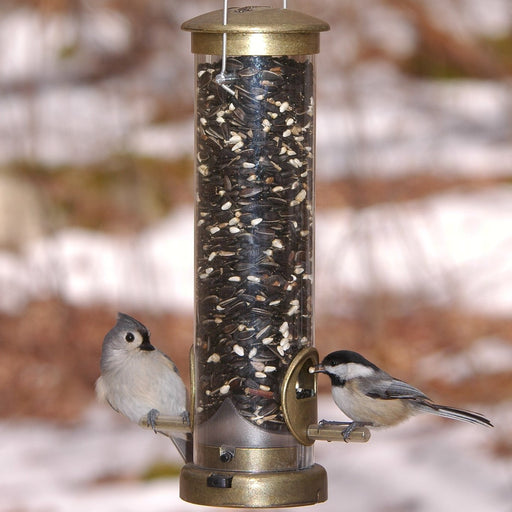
x=392 y=389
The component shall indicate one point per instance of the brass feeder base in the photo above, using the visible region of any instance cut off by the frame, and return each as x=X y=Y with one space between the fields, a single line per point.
x=253 y=490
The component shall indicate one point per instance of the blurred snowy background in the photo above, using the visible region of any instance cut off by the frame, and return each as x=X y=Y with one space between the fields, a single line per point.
x=414 y=236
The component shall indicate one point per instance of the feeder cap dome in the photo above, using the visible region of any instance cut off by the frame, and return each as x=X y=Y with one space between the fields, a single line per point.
x=256 y=30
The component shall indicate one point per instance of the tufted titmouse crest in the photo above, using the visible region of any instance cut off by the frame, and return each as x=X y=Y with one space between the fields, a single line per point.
x=139 y=381
x=371 y=397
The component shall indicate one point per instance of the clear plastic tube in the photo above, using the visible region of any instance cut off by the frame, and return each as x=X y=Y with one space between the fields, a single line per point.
x=254 y=245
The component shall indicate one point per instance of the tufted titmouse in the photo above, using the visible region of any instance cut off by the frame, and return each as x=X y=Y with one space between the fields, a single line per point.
x=138 y=380
x=371 y=397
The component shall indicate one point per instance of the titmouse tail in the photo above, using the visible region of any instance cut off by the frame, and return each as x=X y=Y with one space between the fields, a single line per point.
x=454 y=414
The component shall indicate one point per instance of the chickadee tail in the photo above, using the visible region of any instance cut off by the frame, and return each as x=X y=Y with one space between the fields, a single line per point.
x=455 y=414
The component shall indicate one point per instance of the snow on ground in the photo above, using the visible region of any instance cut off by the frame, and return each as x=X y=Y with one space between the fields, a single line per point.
x=381 y=123
x=449 y=249
x=426 y=465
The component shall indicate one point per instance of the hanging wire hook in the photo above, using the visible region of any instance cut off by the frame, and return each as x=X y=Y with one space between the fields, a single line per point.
x=223 y=77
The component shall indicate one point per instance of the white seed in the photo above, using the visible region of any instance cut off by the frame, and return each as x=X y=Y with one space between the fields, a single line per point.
x=278 y=188
x=269 y=369
x=214 y=358
x=226 y=253
x=260 y=375
x=238 y=350
x=289 y=121
x=258 y=365
x=264 y=388
x=280 y=350
x=212 y=256
x=298 y=270
x=287 y=133
x=235 y=279
x=237 y=146
x=267 y=341
x=274 y=302
x=224 y=390
x=256 y=221
x=234 y=139
x=284 y=329
x=209 y=270
x=203 y=121
x=293 y=310
x=300 y=196
x=252 y=353
x=278 y=244
x=248 y=165
x=284 y=106
x=233 y=220
x=259 y=97
x=234 y=229
x=226 y=206
x=253 y=279
x=203 y=169
x=295 y=162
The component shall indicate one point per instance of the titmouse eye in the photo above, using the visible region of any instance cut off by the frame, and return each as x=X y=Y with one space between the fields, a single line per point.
x=129 y=337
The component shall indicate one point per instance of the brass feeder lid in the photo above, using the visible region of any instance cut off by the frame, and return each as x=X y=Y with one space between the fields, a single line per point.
x=256 y=30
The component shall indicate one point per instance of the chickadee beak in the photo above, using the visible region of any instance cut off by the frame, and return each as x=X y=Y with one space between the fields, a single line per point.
x=319 y=368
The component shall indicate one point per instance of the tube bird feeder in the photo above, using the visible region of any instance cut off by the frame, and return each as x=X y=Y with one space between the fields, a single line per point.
x=253 y=397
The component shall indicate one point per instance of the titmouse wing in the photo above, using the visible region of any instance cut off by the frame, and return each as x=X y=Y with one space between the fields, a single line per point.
x=102 y=393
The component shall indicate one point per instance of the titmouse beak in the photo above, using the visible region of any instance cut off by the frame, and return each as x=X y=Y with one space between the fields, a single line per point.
x=319 y=368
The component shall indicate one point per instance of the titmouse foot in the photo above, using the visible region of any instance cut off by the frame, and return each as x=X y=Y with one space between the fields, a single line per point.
x=327 y=422
x=185 y=416
x=152 y=417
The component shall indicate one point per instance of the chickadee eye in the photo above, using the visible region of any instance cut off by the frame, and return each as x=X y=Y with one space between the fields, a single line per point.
x=129 y=337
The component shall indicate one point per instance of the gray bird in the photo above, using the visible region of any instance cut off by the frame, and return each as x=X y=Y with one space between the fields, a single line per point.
x=138 y=380
x=371 y=397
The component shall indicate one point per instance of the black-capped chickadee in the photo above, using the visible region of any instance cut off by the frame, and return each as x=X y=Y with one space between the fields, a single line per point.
x=371 y=397
x=138 y=380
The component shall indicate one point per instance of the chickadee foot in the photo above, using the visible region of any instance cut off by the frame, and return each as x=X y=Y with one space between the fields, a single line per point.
x=152 y=417
x=355 y=424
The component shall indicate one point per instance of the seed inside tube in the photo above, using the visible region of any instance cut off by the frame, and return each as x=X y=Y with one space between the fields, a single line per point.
x=253 y=240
